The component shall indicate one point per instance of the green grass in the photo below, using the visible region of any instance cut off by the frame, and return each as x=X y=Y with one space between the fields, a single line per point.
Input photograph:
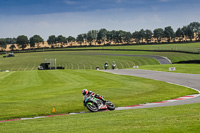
x=183 y=118
x=88 y=59
x=180 y=68
x=185 y=47
x=71 y=60
x=35 y=93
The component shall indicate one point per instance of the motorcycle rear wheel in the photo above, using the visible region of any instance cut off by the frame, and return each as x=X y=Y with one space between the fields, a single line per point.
x=92 y=108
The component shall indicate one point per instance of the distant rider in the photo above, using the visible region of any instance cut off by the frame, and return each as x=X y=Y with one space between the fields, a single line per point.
x=87 y=93
x=113 y=65
x=106 y=65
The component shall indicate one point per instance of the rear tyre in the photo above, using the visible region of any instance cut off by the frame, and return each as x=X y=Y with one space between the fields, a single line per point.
x=110 y=105
x=92 y=107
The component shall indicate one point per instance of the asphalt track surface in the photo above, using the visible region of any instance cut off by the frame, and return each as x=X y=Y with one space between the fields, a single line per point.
x=182 y=79
x=160 y=59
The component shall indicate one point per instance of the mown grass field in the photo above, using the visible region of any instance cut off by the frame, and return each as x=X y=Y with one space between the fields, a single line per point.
x=88 y=59
x=185 y=47
x=183 y=118
x=36 y=93
x=71 y=60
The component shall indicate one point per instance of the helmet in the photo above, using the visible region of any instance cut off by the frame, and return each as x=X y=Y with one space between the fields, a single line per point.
x=84 y=91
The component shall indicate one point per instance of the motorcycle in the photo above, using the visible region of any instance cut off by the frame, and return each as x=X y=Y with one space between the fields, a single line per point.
x=94 y=104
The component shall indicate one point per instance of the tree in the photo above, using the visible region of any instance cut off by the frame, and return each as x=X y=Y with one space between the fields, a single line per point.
x=36 y=39
x=10 y=40
x=141 y=35
x=22 y=41
x=71 y=39
x=12 y=47
x=91 y=36
x=80 y=38
x=179 y=33
x=109 y=36
x=190 y=32
x=128 y=37
x=185 y=32
x=195 y=27
x=102 y=35
x=148 y=35
x=158 y=33
x=3 y=43
x=135 y=35
x=52 y=39
x=118 y=36
x=61 y=39
x=169 y=33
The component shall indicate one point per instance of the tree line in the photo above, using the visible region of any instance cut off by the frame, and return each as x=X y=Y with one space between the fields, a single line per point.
x=105 y=37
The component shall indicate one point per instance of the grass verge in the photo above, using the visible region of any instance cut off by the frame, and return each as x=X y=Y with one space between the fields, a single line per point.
x=182 y=118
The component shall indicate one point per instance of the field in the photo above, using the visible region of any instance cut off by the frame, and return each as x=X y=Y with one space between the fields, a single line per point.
x=88 y=59
x=186 y=47
x=27 y=92
x=70 y=60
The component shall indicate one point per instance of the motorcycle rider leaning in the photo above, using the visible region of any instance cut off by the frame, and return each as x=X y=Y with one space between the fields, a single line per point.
x=87 y=93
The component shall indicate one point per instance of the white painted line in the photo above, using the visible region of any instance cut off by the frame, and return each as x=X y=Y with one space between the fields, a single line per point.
x=26 y=118
x=73 y=113
x=39 y=117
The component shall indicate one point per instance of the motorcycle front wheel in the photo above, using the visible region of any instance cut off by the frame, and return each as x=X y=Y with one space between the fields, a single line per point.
x=110 y=105
x=92 y=107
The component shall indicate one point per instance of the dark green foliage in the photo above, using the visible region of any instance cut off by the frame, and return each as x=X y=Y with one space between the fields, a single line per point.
x=35 y=39
x=80 y=38
x=12 y=47
x=61 y=39
x=52 y=39
x=148 y=35
x=2 y=43
x=158 y=33
x=169 y=33
x=11 y=40
x=102 y=35
x=128 y=37
x=92 y=36
x=22 y=41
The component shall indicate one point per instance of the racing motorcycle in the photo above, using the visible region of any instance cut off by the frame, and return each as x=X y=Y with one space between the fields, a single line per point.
x=94 y=104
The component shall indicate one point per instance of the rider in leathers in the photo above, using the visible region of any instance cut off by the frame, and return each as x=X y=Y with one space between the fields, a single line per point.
x=87 y=93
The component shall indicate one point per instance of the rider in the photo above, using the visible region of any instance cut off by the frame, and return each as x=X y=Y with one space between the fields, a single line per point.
x=106 y=65
x=87 y=93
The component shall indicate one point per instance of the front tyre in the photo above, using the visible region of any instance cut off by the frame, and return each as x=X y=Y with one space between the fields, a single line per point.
x=110 y=105
x=92 y=107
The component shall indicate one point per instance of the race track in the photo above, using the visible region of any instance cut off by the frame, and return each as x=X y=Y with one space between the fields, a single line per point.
x=160 y=59
x=187 y=80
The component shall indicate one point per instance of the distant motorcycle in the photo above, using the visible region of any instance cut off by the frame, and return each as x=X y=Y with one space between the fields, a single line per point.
x=94 y=104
